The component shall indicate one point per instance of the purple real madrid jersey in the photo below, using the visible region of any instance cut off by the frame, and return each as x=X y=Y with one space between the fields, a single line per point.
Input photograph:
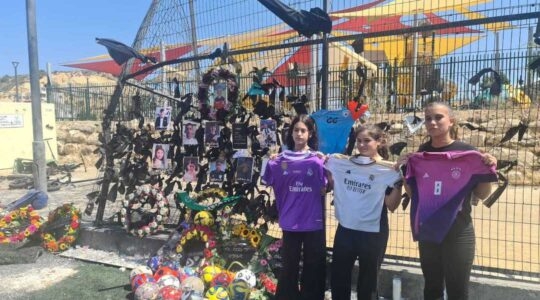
x=440 y=182
x=297 y=180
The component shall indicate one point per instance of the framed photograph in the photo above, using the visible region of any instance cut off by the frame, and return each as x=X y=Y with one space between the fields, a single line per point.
x=268 y=133
x=163 y=117
x=218 y=170
x=244 y=169
x=159 y=156
x=220 y=97
x=211 y=134
x=188 y=133
x=191 y=168
x=239 y=136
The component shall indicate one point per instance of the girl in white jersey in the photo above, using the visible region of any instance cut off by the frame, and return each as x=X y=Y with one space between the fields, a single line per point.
x=365 y=186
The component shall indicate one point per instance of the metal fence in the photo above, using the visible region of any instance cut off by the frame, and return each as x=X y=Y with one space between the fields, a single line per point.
x=411 y=61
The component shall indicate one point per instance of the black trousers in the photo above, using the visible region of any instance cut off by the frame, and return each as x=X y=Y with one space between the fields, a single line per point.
x=350 y=245
x=311 y=246
x=449 y=263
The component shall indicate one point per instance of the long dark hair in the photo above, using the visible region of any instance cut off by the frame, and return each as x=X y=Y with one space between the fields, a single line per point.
x=377 y=134
x=313 y=141
x=160 y=147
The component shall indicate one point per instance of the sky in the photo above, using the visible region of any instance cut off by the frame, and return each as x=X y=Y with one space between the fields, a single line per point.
x=66 y=30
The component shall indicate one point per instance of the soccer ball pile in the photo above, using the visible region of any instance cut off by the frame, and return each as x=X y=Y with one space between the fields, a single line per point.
x=166 y=280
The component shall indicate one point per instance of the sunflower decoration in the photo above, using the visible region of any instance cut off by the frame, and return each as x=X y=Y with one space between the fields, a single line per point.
x=18 y=225
x=61 y=229
x=247 y=233
x=144 y=211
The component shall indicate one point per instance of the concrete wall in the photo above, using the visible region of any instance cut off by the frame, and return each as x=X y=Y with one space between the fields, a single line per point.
x=16 y=132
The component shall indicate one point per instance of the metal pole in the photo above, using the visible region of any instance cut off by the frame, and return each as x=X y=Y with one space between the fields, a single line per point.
x=415 y=61
x=38 y=146
x=15 y=65
x=324 y=66
x=530 y=44
x=194 y=39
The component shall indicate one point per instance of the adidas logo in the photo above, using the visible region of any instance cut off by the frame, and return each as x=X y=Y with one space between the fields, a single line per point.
x=426 y=175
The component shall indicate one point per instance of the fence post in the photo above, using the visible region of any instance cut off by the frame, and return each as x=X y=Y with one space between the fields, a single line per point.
x=71 y=102
x=87 y=101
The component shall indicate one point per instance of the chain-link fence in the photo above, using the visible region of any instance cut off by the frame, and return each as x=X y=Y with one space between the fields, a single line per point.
x=394 y=56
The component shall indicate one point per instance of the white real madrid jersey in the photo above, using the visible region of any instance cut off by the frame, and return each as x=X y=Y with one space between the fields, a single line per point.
x=359 y=190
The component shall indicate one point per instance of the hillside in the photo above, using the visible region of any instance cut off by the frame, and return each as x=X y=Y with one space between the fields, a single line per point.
x=76 y=78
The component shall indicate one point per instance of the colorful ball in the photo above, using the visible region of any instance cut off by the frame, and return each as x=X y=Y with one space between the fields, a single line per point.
x=141 y=279
x=204 y=218
x=154 y=263
x=169 y=293
x=193 y=283
x=163 y=270
x=248 y=276
x=239 y=290
x=217 y=293
x=147 y=291
x=168 y=280
x=224 y=279
x=189 y=271
x=192 y=295
x=209 y=272
x=141 y=269
x=171 y=264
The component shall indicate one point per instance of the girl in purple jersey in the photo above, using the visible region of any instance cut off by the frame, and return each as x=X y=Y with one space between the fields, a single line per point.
x=350 y=243
x=308 y=245
x=449 y=263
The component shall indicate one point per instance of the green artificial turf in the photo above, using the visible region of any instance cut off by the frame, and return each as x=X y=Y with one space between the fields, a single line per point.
x=92 y=281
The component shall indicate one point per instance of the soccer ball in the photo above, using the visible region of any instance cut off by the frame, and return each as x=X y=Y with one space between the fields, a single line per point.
x=217 y=293
x=149 y=290
x=162 y=271
x=193 y=283
x=168 y=280
x=141 y=269
x=154 y=262
x=209 y=272
x=203 y=218
x=224 y=279
x=248 y=276
x=171 y=264
x=239 y=290
x=141 y=279
x=192 y=295
x=169 y=293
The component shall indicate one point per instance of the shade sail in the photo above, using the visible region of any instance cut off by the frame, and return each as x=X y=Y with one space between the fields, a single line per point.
x=103 y=63
x=407 y=7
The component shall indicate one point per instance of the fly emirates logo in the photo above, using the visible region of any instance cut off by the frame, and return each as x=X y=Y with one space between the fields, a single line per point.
x=300 y=188
x=356 y=186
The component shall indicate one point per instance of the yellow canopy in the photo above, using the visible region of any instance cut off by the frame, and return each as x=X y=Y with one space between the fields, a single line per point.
x=394 y=46
x=408 y=7
x=404 y=7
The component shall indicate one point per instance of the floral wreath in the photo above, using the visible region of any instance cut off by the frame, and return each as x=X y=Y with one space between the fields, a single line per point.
x=71 y=230
x=12 y=223
x=146 y=200
x=198 y=232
